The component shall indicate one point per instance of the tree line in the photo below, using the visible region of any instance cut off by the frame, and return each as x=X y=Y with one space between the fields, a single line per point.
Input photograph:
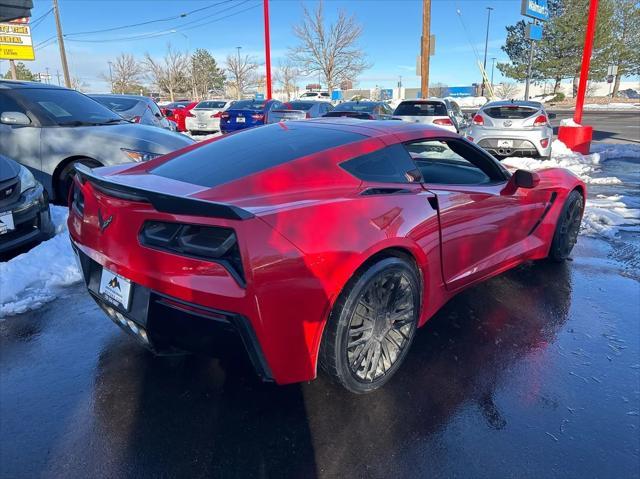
x=558 y=55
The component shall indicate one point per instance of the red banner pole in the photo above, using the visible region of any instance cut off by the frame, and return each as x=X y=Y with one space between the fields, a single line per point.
x=267 y=47
x=586 y=60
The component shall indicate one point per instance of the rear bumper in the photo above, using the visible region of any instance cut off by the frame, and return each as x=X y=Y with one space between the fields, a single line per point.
x=166 y=325
x=525 y=143
x=31 y=219
x=211 y=125
x=230 y=127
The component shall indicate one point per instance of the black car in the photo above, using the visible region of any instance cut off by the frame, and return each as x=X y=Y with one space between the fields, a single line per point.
x=24 y=207
x=363 y=110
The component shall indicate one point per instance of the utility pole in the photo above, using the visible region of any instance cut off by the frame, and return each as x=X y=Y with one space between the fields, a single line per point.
x=110 y=76
x=58 y=77
x=526 y=85
x=425 y=48
x=486 y=44
x=63 y=54
x=267 y=47
x=14 y=71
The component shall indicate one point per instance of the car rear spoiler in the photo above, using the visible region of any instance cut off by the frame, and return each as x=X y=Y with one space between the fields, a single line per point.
x=167 y=203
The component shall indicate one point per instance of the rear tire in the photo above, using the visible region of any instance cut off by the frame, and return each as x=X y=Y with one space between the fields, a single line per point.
x=567 y=228
x=372 y=325
x=63 y=184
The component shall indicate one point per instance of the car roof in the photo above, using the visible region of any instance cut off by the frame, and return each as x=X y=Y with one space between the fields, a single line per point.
x=374 y=128
x=21 y=84
x=116 y=95
x=532 y=104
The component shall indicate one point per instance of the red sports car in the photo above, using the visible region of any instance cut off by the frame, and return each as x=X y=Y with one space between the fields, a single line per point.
x=323 y=242
x=178 y=112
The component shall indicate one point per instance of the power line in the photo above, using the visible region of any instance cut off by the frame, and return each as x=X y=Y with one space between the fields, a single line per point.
x=148 y=22
x=41 y=19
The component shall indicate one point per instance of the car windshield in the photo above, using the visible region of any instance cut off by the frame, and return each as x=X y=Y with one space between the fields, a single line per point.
x=421 y=108
x=117 y=104
x=356 y=106
x=209 y=105
x=511 y=112
x=297 y=105
x=249 y=105
x=309 y=95
x=243 y=154
x=70 y=108
x=177 y=104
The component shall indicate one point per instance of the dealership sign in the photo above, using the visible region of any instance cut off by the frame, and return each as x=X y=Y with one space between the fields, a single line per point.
x=537 y=9
x=15 y=41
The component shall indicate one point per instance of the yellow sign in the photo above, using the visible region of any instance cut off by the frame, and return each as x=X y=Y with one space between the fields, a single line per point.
x=15 y=42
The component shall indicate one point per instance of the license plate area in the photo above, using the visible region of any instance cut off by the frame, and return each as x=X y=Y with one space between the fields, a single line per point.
x=505 y=143
x=6 y=222
x=240 y=119
x=115 y=289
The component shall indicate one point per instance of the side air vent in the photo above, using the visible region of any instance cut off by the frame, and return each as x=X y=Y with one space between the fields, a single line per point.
x=384 y=191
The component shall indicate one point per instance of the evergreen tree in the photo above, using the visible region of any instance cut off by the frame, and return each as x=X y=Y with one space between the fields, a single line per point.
x=23 y=73
x=205 y=73
x=625 y=50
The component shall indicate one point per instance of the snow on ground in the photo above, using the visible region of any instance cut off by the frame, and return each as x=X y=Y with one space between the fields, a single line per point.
x=37 y=276
x=604 y=215
x=612 y=106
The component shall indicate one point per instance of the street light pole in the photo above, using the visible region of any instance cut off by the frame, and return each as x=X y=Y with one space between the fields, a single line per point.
x=238 y=92
x=493 y=64
x=486 y=45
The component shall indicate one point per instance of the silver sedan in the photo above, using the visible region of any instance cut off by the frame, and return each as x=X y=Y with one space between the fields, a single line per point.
x=512 y=128
x=205 y=116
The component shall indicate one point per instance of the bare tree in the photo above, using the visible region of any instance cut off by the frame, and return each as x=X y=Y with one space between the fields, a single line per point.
x=287 y=75
x=171 y=74
x=126 y=73
x=241 y=73
x=439 y=90
x=78 y=83
x=330 y=51
x=506 y=90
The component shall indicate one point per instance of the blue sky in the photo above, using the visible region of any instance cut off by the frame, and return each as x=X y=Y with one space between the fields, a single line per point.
x=391 y=34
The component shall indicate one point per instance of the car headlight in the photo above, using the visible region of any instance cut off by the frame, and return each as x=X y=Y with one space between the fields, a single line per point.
x=138 y=156
x=27 y=181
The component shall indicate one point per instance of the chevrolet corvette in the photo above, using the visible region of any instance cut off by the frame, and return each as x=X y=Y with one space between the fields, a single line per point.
x=324 y=242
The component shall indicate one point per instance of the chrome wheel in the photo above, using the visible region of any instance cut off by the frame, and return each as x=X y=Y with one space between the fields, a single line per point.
x=381 y=325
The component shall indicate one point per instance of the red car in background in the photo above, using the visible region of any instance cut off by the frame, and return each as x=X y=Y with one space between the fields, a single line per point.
x=319 y=242
x=178 y=111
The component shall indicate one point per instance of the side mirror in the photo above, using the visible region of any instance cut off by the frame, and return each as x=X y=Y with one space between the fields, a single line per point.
x=551 y=116
x=521 y=179
x=168 y=114
x=14 y=118
x=526 y=179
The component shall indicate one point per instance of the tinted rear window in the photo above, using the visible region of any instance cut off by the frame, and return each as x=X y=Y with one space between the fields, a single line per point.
x=248 y=105
x=297 y=105
x=356 y=106
x=509 y=112
x=204 y=105
x=388 y=165
x=249 y=152
x=421 y=108
x=117 y=104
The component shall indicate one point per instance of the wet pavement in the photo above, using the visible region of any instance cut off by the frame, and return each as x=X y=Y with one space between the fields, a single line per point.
x=535 y=373
x=532 y=374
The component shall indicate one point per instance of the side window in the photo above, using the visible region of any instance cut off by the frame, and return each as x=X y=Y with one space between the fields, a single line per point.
x=9 y=104
x=388 y=165
x=452 y=162
x=154 y=109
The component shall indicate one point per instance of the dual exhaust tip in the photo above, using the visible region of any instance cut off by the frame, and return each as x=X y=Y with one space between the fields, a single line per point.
x=127 y=324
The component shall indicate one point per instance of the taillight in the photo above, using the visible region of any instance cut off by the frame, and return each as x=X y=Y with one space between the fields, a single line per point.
x=224 y=116
x=470 y=138
x=189 y=114
x=307 y=115
x=544 y=142
x=541 y=120
x=217 y=115
x=443 y=121
x=136 y=119
x=208 y=243
x=478 y=120
x=77 y=199
x=258 y=116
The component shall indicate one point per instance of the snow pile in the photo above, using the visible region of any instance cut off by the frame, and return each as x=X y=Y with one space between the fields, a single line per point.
x=604 y=215
x=583 y=166
x=569 y=122
x=35 y=277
